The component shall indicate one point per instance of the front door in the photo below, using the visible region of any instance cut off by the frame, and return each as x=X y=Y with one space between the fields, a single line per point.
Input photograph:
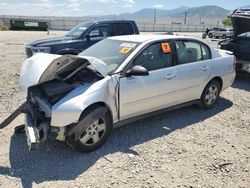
x=96 y=34
x=144 y=94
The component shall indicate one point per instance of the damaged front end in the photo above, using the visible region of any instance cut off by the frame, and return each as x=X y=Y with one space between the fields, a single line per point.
x=48 y=79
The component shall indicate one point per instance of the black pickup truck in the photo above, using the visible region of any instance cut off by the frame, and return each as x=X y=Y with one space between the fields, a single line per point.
x=81 y=37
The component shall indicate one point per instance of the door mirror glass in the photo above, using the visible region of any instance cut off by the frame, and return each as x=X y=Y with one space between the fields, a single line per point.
x=137 y=71
x=94 y=33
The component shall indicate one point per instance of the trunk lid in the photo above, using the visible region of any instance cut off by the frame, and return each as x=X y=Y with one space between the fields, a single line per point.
x=44 y=67
x=241 y=21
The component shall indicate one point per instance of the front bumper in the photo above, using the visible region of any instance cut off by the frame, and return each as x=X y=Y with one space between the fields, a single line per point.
x=36 y=124
x=28 y=51
x=32 y=133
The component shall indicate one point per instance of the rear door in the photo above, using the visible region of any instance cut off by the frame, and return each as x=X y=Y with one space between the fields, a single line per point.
x=123 y=29
x=193 y=69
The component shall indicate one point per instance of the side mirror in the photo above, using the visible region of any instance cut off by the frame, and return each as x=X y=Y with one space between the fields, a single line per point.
x=94 y=33
x=137 y=71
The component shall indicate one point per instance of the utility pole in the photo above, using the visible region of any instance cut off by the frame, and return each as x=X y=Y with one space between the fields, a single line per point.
x=185 y=20
x=154 y=16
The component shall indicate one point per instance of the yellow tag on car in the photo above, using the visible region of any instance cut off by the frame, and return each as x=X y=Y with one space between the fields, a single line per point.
x=165 y=47
x=125 y=50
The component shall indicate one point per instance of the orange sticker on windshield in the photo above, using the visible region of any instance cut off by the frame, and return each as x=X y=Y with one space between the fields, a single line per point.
x=165 y=47
x=125 y=50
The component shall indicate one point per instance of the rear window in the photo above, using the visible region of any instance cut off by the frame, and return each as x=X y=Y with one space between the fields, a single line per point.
x=123 y=29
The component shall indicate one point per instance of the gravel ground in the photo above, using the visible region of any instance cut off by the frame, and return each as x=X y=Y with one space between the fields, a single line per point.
x=188 y=147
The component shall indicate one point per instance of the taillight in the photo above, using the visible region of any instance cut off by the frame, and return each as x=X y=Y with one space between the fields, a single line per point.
x=235 y=61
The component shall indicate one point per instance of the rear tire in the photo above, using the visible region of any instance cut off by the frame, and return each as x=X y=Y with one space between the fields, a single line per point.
x=93 y=130
x=210 y=94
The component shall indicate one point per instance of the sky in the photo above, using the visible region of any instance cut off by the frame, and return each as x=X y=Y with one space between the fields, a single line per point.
x=102 y=7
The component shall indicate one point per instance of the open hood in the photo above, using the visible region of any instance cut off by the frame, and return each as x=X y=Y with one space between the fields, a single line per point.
x=44 y=67
x=241 y=21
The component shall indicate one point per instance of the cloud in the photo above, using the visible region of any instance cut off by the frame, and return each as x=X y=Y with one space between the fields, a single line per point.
x=45 y=1
x=128 y=3
x=61 y=7
x=74 y=5
x=41 y=8
x=158 y=6
x=106 y=1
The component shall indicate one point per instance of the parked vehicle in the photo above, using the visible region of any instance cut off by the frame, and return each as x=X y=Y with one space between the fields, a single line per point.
x=240 y=43
x=81 y=37
x=29 y=25
x=220 y=33
x=116 y=81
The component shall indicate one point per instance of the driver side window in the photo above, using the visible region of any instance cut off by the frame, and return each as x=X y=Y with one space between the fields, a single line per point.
x=103 y=29
x=154 y=57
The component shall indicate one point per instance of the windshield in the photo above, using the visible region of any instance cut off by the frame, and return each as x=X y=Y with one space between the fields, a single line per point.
x=78 y=30
x=244 y=35
x=111 y=52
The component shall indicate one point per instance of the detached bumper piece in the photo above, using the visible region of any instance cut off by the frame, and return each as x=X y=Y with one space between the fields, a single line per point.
x=243 y=66
x=36 y=125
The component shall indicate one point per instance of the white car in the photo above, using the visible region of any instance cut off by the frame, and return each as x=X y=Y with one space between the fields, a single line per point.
x=222 y=33
x=118 y=80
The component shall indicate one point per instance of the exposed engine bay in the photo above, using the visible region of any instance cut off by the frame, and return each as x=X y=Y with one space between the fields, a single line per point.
x=52 y=91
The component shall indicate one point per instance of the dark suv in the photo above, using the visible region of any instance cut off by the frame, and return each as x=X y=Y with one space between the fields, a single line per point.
x=240 y=43
x=81 y=37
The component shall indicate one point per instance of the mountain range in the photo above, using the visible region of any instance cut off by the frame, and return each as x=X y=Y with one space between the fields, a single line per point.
x=195 y=15
x=211 y=11
x=209 y=14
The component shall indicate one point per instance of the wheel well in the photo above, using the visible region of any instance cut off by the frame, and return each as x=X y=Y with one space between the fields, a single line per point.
x=218 y=79
x=94 y=105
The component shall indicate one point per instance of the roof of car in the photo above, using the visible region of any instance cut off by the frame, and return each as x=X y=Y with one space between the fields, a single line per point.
x=113 y=21
x=144 y=38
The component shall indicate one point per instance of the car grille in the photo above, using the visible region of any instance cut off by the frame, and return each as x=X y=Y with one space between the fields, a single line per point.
x=28 y=52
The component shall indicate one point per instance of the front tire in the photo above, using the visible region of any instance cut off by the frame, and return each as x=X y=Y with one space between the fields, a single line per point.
x=224 y=36
x=210 y=35
x=92 y=131
x=210 y=94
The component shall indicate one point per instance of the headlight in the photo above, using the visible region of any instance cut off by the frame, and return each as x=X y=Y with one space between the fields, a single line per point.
x=40 y=49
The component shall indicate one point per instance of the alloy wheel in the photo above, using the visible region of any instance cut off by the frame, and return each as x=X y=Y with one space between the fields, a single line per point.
x=94 y=132
x=211 y=94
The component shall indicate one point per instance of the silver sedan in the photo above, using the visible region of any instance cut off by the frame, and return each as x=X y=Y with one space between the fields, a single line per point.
x=116 y=81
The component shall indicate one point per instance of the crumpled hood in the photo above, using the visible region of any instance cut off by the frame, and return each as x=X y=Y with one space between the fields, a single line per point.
x=42 y=67
x=241 y=21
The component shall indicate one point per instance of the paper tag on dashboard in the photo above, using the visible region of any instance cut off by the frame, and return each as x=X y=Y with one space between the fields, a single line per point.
x=165 y=47
x=125 y=50
x=128 y=45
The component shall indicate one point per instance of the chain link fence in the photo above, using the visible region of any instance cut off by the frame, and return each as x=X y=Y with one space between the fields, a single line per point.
x=65 y=24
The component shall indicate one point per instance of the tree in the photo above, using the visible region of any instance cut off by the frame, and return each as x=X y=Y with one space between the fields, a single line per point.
x=227 y=22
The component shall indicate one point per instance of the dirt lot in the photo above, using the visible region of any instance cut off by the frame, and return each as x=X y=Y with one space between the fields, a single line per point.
x=188 y=147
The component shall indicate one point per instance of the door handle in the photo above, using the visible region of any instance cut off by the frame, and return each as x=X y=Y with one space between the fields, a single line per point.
x=205 y=68
x=170 y=76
